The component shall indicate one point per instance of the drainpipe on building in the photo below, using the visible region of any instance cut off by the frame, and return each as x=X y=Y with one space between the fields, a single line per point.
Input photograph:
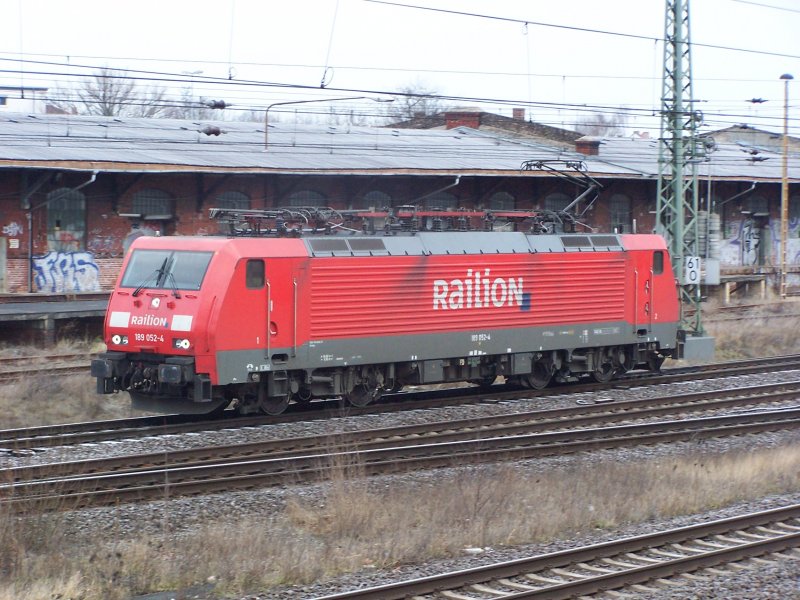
x=30 y=227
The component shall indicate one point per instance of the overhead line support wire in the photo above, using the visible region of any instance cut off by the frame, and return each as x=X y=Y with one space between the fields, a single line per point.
x=573 y=28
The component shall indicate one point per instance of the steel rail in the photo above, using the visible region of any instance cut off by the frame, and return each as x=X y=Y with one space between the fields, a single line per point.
x=73 y=491
x=640 y=569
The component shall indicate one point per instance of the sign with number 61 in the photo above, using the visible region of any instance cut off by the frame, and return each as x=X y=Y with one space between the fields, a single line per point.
x=691 y=271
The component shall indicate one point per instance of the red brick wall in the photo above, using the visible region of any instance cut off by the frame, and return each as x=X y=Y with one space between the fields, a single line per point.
x=17 y=274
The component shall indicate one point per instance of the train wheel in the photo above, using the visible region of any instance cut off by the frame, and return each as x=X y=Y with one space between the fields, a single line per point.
x=539 y=378
x=303 y=396
x=271 y=405
x=361 y=396
x=604 y=370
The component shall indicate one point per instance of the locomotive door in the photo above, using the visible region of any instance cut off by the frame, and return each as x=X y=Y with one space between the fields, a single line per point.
x=281 y=300
x=643 y=293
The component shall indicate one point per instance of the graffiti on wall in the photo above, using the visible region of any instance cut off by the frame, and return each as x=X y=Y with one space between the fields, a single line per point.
x=751 y=243
x=59 y=272
x=13 y=229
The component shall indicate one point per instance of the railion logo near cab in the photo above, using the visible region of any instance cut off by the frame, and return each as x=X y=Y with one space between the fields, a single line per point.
x=149 y=320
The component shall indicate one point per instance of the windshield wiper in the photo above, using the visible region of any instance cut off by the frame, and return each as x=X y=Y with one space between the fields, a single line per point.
x=175 y=291
x=158 y=273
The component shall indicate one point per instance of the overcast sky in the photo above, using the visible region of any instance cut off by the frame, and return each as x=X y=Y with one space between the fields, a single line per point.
x=354 y=47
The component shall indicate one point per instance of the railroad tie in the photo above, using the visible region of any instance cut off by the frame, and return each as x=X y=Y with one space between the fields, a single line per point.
x=712 y=545
x=455 y=595
x=770 y=532
x=687 y=549
x=485 y=589
x=619 y=563
x=666 y=553
x=644 y=559
x=594 y=569
x=669 y=582
x=517 y=586
x=571 y=574
x=644 y=588
x=753 y=536
x=542 y=579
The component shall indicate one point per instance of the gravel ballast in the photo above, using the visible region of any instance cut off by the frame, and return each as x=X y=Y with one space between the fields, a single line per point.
x=780 y=579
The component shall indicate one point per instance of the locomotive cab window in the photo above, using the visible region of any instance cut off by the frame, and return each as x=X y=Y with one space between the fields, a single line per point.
x=658 y=262
x=254 y=274
x=180 y=270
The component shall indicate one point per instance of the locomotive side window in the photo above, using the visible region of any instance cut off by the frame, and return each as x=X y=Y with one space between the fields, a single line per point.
x=254 y=274
x=169 y=269
x=658 y=262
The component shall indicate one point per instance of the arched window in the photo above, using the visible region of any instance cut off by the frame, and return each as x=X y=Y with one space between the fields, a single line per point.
x=794 y=216
x=374 y=199
x=66 y=220
x=620 y=209
x=441 y=201
x=153 y=205
x=307 y=198
x=232 y=200
x=556 y=201
x=501 y=201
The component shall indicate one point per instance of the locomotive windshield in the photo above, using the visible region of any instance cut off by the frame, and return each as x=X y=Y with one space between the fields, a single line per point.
x=171 y=269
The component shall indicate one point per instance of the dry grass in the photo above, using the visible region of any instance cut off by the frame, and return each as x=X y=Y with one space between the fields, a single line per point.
x=760 y=334
x=358 y=525
x=46 y=400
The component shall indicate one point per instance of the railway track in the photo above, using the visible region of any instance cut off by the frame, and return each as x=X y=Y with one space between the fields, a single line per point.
x=59 y=491
x=95 y=431
x=646 y=562
x=13 y=368
x=515 y=423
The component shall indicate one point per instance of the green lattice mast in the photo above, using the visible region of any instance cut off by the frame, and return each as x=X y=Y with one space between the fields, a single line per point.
x=679 y=152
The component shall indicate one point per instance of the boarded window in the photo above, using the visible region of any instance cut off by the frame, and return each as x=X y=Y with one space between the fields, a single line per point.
x=556 y=202
x=441 y=201
x=375 y=199
x=66 y=220
x=232 y=201
x=307 y=198
x=501 y=201
x=620 y=208
x=153 y=204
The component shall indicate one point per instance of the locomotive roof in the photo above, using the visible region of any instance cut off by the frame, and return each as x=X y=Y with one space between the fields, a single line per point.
x=418 y=244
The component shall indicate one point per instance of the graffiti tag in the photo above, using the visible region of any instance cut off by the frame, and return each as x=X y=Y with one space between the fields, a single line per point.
x=59 y=272
x=13 y=229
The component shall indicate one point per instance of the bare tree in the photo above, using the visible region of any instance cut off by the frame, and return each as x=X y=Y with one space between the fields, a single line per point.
x=415 y=100
x=603 y=124
x=112 y=94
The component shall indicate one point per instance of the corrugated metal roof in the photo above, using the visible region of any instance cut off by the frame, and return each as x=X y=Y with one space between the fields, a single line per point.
x=127 y=144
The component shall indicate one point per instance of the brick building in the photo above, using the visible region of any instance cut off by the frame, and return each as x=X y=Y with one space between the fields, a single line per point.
x=74 y=190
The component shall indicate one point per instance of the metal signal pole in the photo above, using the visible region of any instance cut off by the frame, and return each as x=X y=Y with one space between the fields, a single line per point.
x=679 y=153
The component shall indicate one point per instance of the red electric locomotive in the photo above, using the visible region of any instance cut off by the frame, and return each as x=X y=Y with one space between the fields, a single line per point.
x=274 y=316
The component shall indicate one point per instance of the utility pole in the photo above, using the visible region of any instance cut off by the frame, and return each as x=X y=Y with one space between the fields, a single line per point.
x=679 y=153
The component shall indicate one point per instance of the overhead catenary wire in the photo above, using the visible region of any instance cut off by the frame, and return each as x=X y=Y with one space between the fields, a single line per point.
x=248 y=88
x=579 y=29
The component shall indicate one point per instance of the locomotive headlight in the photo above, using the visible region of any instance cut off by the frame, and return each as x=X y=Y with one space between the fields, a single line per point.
x=181 y=343
x=119 y=340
